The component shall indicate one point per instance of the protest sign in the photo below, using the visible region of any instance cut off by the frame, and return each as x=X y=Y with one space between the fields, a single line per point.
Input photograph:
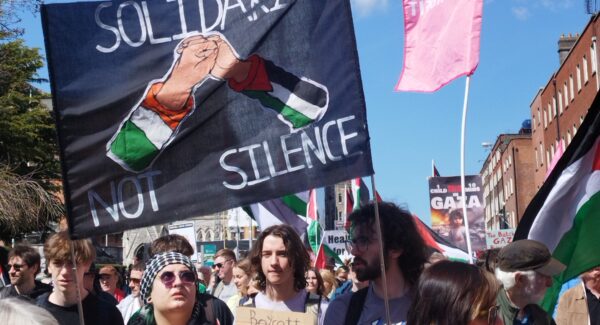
x=499 y=238
x=173 y=109
x=446 y=210
x=256 y=316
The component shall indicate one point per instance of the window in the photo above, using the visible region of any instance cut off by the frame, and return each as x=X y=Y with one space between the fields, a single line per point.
x=553 y=106
x=578 y=78
x=566 y=95
x=539 y=116
x=541 y=154
x=585 y=69
x=509 y=160
x=571 y=87
x=512 y=186
x=339 y=197
x=568 y=137
x=548 y=156
x=546 y=118
x=593 y=57
x=537 y=160
x=552 y=150
x=560 y=103
x=574 y=130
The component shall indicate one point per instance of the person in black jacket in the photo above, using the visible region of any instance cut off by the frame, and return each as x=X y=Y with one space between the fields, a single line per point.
x=68 y=284
x=23 y=266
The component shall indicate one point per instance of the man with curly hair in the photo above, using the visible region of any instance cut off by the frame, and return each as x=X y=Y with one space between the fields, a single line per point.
x=281 y=262
x=405 y=255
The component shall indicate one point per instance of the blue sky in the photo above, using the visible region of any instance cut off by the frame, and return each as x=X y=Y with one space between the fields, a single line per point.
x=408 y=130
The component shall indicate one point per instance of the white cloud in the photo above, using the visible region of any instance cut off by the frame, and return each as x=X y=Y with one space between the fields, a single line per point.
x=365 y=7
x=522 y=13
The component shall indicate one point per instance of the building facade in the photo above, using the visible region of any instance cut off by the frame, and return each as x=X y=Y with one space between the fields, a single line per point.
x=561 y=105
x=506 y=180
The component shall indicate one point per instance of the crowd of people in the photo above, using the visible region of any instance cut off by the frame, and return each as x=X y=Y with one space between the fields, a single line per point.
x=276 y=275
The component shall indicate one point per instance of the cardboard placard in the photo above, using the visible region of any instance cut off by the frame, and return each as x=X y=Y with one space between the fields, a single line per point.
x=256 y=316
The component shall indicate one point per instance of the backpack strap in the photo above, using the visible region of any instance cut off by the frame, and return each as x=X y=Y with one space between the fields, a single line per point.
x=355 y=307
x=313 y=299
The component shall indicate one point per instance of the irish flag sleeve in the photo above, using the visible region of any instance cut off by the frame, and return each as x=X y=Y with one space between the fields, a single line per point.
x=298 y=102
x=149 y=128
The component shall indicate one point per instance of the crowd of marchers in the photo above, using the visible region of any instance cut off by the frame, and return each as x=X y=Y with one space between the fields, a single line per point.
x=276 y=275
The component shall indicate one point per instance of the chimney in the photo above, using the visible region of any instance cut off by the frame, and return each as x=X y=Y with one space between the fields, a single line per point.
x=565 y=43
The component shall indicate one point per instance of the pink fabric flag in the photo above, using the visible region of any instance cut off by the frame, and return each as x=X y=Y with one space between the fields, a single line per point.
x=560 y=149
x=441 y=42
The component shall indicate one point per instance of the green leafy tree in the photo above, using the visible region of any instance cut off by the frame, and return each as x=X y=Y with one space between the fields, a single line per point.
x=29 y=165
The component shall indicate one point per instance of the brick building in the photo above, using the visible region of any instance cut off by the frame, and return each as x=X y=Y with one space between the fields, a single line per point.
x=558 y=108
x=506 y=179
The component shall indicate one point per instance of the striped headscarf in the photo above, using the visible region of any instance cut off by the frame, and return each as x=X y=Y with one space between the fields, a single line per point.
x=156 y=264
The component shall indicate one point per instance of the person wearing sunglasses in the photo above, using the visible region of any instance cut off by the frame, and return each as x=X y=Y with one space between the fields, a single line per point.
x=224 y=262
x=130 y=304
x=23 y=266
x=455 y=293
x=169 y=289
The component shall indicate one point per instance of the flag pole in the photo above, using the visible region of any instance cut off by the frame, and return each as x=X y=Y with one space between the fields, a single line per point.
x=462 y=169
x=381 y=255
x=77 y=284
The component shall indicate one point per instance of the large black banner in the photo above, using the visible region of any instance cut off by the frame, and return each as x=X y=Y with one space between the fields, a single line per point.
x=172 y=109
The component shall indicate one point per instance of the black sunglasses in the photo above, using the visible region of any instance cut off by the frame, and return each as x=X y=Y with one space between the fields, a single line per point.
x=168 y=278
x=219 y=265
x=17 y=267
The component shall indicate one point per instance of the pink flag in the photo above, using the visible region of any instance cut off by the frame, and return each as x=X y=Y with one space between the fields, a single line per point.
x=441 y=42
x=560 y=149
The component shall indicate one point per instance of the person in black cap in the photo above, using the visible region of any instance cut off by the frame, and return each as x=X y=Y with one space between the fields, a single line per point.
x=525 y=269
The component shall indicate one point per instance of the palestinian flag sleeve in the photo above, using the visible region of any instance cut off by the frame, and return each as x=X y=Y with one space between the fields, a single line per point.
x=298 y=102
x=565 y=213
x=150 y=127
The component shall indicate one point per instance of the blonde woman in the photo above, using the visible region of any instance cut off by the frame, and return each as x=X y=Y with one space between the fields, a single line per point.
x=242 y=274
x=329 y=283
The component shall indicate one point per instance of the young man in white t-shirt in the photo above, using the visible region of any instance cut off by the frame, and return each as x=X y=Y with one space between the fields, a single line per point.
x=281 y=261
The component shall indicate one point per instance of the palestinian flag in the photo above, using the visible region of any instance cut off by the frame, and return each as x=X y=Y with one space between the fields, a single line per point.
x=356 y=196
x=437 y=243
x=565 y=213
x=290 y=209
x=315 y=235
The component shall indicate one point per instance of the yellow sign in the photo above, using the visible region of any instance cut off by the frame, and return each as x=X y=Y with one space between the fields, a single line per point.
x=255 y=316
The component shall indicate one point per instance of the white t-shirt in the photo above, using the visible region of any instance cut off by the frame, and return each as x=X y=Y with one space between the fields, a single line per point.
x=296 y=303
x=225 y=291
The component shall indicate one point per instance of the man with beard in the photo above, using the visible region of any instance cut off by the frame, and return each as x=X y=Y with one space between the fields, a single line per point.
x=23 y=266
x=405 y=255
x=525 y=269
x=68 y=284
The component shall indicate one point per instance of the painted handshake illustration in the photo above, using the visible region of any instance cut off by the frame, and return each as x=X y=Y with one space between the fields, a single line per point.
x=154 y=121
